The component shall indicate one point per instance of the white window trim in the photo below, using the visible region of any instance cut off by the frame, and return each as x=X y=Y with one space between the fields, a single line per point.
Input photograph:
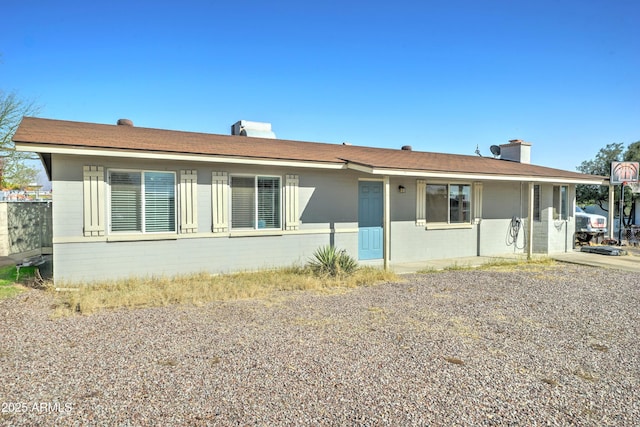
x=256 y=226
x=445 y=226
x=143 y=232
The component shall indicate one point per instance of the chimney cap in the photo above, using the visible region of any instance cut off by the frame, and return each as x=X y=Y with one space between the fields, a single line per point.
x=125 y=122
x=406 y=148
x=518 y=141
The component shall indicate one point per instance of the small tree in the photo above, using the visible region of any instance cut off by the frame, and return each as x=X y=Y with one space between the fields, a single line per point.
x=14 y=168
x=601 y=165
x=633 y=152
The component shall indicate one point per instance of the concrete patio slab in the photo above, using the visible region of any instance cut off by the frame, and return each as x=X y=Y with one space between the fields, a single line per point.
x=629 y=262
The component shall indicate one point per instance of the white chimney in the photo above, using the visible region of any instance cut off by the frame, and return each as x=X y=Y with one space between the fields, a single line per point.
x=254 y=129
x=516 y=151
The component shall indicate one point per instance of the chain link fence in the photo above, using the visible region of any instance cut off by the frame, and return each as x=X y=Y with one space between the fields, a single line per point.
x=631 y=234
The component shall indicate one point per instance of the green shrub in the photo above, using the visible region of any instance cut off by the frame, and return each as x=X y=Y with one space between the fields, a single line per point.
x=329 y=261
x=10 y=282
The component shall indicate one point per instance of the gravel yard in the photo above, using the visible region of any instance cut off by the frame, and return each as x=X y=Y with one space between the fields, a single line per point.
x=556 y=345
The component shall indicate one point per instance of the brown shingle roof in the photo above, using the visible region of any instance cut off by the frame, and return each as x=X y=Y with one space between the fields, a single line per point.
x=61 y=133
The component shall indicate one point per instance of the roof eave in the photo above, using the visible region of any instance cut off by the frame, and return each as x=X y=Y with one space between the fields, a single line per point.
x=48 y=149
x=372 y=170
x=159 y=155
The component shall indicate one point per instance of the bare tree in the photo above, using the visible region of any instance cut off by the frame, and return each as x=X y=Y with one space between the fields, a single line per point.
x=14 y=168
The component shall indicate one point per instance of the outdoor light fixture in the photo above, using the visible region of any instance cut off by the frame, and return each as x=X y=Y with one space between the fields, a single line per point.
x=402 y=189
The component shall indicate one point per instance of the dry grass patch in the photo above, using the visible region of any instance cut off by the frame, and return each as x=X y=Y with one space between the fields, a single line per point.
x=318 y=323
x=461 y=328
x=586 y=374
x=377 y=313
x=168 y=362
x=454 y=360
x=499 y=264
x=202 y=288
x=535 y=264
x=599 y=347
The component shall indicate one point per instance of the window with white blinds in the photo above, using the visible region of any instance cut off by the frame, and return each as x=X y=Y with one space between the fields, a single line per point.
x=255 y=202
x=159 y=202
x=126 y=201
x=243 y=202
x=268 y=202
x=142 y=201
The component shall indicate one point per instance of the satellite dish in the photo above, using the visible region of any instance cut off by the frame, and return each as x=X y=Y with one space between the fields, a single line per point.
x=495 y=150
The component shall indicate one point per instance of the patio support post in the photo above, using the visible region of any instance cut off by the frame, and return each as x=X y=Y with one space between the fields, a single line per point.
x=530 y=222
x=612 y=216
x=387 y=222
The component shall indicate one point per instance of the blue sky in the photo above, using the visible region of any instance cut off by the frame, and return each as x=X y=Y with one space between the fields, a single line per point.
x=441 y=76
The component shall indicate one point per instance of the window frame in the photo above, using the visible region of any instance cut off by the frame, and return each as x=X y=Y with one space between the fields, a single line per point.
x=142 y=212
x=256 y=203
x=537 y=211
x=449 y=185
x=561 y=203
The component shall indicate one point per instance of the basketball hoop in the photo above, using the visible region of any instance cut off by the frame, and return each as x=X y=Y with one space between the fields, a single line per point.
x=624 y=172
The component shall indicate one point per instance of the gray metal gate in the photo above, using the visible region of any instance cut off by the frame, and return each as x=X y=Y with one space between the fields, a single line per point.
x=29 y=227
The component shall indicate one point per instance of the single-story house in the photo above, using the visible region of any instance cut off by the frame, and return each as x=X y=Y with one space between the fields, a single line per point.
x=132 y=201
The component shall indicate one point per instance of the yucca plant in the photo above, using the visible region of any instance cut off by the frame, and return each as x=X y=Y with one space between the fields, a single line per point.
x=329 y=261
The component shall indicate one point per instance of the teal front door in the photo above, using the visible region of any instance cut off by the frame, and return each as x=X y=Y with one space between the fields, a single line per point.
x=370 y=217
